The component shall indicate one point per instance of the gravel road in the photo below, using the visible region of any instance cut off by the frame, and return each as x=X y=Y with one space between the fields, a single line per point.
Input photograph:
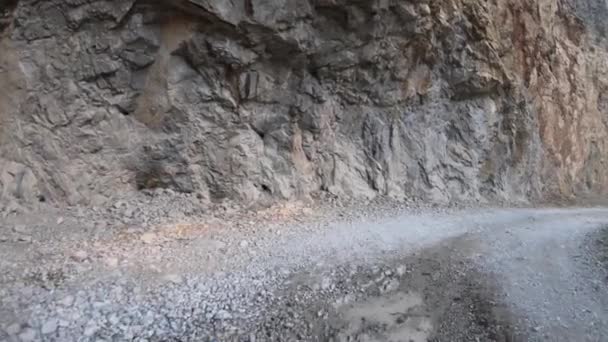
x=357 y=275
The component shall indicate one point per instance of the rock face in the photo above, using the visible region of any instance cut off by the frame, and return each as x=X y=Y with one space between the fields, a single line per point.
x=252 y=99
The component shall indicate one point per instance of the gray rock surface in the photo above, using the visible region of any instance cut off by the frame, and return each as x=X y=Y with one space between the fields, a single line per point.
x=256 y=100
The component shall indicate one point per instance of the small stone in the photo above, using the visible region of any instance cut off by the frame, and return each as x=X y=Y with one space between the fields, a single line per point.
x=21 y=229
x=113 y=319
x=148 y=238
x=90 y=330
x=129 y=212
x=173 y=278
x=76 y=316
x=326 y=283
x=391 y=285
x=49 y=326
x=67 y=301
x=401 y=270
x=79 y=256
x=223 y=314
x=60 y=220
x=13 y=329
x=28 y=335
x=3 y=238
x=79 y=212
x=425 y=9
x=111 y=262
x=98 y=200
x=26 y=291
x=244 y=244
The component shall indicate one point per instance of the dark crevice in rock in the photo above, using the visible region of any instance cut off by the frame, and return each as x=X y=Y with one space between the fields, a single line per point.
x=6 y=13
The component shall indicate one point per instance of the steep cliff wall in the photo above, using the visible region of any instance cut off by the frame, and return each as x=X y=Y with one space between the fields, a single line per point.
x=246 y=99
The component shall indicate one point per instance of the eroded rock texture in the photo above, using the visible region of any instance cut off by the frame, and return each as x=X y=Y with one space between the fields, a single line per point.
x=249 y=99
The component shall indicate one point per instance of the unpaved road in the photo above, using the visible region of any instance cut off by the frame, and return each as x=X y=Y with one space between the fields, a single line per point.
x=459 y=275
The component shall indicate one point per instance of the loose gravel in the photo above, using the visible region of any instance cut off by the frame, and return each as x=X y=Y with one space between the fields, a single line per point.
x=351 y=272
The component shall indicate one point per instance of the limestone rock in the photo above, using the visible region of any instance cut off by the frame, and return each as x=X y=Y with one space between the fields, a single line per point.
x=442 y=101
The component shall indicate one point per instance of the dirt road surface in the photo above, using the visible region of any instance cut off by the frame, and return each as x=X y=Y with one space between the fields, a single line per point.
x=396 y=275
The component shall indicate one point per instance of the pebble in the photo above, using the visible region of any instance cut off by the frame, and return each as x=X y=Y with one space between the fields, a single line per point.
x=67 y=301
x=391 y=285
x=326 y=283
x=21 y=229
x=13 y=329
x=111 y=262
x=129 y=212
x=148 y=238
x=425 y=9
x=79 y=256
x=28 y=335
x=80 y=212
x=173 y=278
x=223 y=314
x=244 y=244
x=90 y=330
x=113 y=319
x=49 y=326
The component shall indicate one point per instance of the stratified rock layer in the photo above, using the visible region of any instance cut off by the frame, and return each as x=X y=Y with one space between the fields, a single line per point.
x=252 y=99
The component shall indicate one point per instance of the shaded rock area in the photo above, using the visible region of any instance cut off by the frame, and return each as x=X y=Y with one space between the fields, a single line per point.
x=253 y=100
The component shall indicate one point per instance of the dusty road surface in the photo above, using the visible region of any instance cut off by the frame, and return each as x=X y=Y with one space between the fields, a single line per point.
x=394 y=275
